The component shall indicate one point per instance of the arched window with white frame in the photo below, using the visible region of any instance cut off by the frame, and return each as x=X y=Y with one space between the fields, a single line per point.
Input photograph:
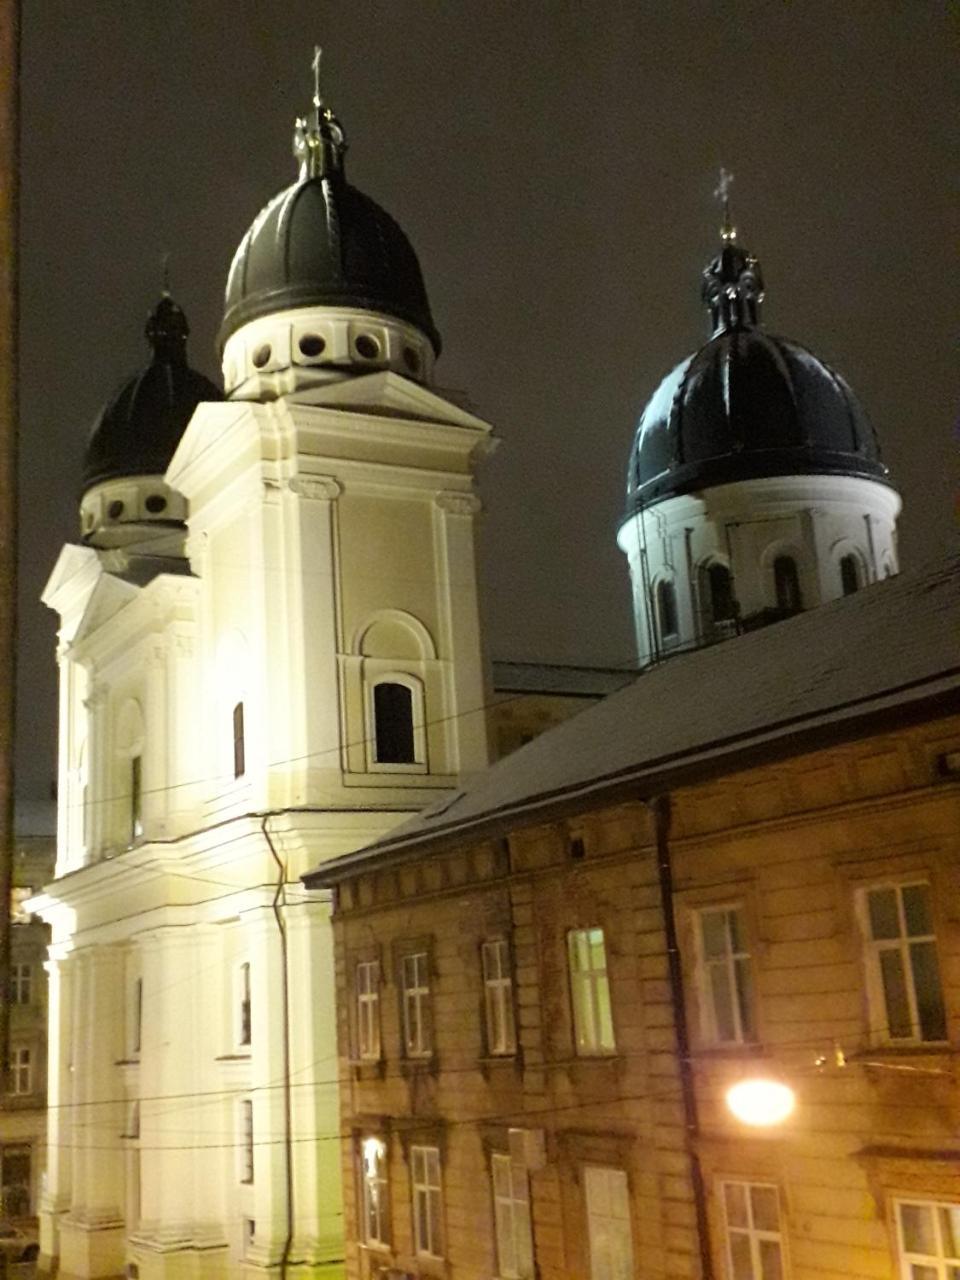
x=395 y=714
x=129 y=778
x=718 y=606
x=786 y=584
x=668 y=623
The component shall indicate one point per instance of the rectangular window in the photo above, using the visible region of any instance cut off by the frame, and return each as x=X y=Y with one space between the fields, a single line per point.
x=511 y=1211
x=415 y=993
x=929 y=1240
x=427 y=1201
x=21 y=1070
x=368 y=1010
x=249 y=1235
x=906 y=998
x=590 y=991
x=136 y=798
x=373 y=1179
x=498 y=997
x=751 y=1214
x=239 y=745
x=726 y=976
x=246 y=1140
x=21 y=983
x=244 y=1026
x=608 y=1223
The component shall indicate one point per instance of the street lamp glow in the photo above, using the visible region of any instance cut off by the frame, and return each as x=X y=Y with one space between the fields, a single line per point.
x=761 y=1102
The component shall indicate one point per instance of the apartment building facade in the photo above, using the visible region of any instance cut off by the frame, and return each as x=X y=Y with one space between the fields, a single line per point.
x=547 y=988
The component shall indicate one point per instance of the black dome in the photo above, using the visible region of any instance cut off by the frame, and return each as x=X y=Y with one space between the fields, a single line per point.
x=321 y=242
x=140 y=427
x=747 y=404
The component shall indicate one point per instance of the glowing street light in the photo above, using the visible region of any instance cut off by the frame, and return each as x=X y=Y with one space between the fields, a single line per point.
x=761 y=1102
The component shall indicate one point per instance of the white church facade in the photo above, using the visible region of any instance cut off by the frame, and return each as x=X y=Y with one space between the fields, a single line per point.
x=270 y=655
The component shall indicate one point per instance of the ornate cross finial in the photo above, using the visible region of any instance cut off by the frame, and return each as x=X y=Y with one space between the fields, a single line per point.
x=317 y=99
x=722 y=193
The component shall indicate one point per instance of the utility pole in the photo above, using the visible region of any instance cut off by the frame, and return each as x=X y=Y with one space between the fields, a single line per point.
x=9 y=412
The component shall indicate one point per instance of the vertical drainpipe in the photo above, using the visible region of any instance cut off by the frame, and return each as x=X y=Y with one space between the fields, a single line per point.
x=661 y=810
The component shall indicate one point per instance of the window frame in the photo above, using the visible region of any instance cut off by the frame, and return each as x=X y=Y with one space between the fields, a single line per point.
x=709 y=1021
x=421 y=1046
x=374 y=1185
x=21 y=983
x=21 y=1071
x=592 y=1216
x=666 y=608
x=246 y=1165
x=787 y=588
x=513 y=1215
x=907 y=1258
x=879 y=1032
x=587 y=1014
x=432 y=1198
x=135 y=831
x=498 y=998
x=415 y=686
x=243 y=1007
x=368 y=1037
x=755 y=1235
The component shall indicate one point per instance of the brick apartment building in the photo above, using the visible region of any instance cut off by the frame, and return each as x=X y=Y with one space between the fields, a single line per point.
x=743 y=866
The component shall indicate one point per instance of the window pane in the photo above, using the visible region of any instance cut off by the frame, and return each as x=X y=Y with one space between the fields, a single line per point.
x=604 y=1016
x=916 y=1221
x=926 y=983
x=722 y=1002
x=740 y=1260
x=884 y=921
x=916 y=909
x=771 y=1267
x=919 y=1272
x=744 y=997
x=895 y=995
x=763 y=1202
x=714 y=928
x=735 y=925
x=393 y=723
x=950 y=1229
x=735 y=1199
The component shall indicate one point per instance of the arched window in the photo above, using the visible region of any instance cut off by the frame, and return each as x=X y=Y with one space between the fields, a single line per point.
x=786 y=582
x=136 y=797
x=667 y=621
x=393 y=723
x=849 y=574
x=716 y=594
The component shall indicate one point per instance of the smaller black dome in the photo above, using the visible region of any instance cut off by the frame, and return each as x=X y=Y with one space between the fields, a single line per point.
x=747 y=404
x=139 y=429
x=321 y=242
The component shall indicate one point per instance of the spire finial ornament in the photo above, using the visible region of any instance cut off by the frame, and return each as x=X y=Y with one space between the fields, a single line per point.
x=728 y=231
x=165 y=276
x=318 y=146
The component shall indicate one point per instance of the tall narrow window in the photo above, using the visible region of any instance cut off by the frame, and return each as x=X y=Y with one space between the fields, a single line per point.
x=725 y=979
x=786 y=583
x=368 y=1010
x=246 y=1140
x=716 y=596
x=498 y=997
x=904 y=978
x=511 y=1211
x=21 y=1070
x=393 y=723
x=239 y=744
x=667 y=621
x=752 y=1219
x=373 y=1181
x=21 y=983
x=590 y=991
x=608 y=1223
x=849 y=574
x=929 y=1239
x=427 y=1201
x=136 y=1016
x=244 y=1025
x=136 y=797
x=415 y=994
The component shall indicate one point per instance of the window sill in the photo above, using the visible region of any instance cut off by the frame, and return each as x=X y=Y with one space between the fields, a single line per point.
x=428 y=1065
x=234 y=1057
x=368 y=1068
x=740 y=1049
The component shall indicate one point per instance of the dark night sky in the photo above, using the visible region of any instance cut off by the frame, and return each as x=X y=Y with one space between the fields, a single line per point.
x=553 y=164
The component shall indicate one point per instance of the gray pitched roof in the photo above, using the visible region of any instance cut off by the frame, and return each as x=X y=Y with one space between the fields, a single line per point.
x=551 y=678
x=893 y=646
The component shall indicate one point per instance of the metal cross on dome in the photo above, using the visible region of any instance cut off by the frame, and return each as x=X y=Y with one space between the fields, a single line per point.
x=722 y=193
x=317 y=55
